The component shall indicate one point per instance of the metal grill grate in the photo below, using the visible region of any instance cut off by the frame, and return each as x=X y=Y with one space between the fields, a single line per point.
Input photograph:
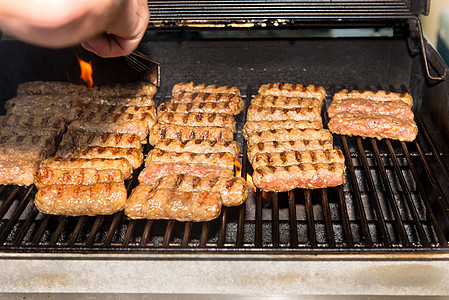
x=394 y=200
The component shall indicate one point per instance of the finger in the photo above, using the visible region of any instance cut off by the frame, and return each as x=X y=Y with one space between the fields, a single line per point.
x=110 y=45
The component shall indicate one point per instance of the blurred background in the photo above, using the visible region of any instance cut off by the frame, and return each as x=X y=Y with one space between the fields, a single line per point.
x=436 y=26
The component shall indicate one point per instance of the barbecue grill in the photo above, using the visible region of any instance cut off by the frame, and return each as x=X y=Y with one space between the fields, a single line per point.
x=385 y=231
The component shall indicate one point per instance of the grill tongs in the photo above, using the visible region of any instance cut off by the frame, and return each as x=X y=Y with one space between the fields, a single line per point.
x=149 y=69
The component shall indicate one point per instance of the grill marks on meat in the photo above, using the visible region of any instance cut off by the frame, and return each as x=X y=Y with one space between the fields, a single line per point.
x=199 y=146
x=258 y=113
x=397 y=109
x=118 y=101
x=284 y=135
x=101 y=117
x=373 y=114
x=160 y=132
x=285 y=102
x=281 y=159
x=66 y=101
x=375 y=96
x=292 y=90
x=108 y=139
x=196 y=119
x=155 y=171
x=68 y=114
x=26 y=147
x=118 y=109
x=47 y=176
x=153 y=203
x=307 y=176
x=191 y=87
x=103 y=198
x=220 y=159
x=254 y=127
x=50 y=88
x=233 y=190
x=53 y=122
x=139 y=129
x=17 y=172
x=377 y=126
x=225 y=107
x=125 y=90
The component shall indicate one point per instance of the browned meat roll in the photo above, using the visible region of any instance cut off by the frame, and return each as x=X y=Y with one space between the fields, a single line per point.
x=222 y=159
x=68 y=114
x=280 y=159
x=153 y=172
x=254 y=127
x=118 y=109
x=122 y=101
x=276 y=147
x=376 y=126
x=292 y=90
x=225 y=107
x=26 y=147
x=34 y=131
x=376 y=96
x=50 y=87
x=307 y=176
x=133 y=155
x=52 y=101
x=203 y=88
x=199 y=146
x=160 y=132
x=121 y=164
x=47 y=176
x=139 y=129
x=285 y=102
x=107 y=139
x=53 y=122
x=104 y=117
x=103 y=198
x=289 y=135
x=196 y=119
x=124 y=90
x=258 y=113
x=147 y=202
x=397 y=109
x=17 y=172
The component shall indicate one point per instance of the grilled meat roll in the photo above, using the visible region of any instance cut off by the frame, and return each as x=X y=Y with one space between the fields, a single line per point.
x=120 y=140
x=202 y=88
x=258 y=113
x=397 y=109
x=307 y=176
x=46 y=122
x=154 y=171
x=103 y=198
x=376 y=126
x=199 y=146
x=26 y=147
x=289 y=135
x=59 y=101
x=277 y=147
x=251 y=127
x=50 y=88
x=105 y=117
x=34 y=131
x=121 y=164
x=292 y=90
x=285 y=102
x=280 y=159
x=196 y=119
x=160 y=132
x=17 y=172
x=121 y=101
x=225 y=107
x=47 y=176
x=68 y=114
x=222 y=159
x=140 y=129
x=118 y=109
x=375 y=96
x=233 y=190
x=133 y=155
x=147 y=202
x=125 y=90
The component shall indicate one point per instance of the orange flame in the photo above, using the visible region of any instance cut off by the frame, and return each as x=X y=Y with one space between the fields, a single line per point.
x=238 y=173
x=86 y=72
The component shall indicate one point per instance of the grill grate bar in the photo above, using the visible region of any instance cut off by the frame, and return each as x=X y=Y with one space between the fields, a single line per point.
x=327 y=218
x=61 y=223
x=258 y=241
x=204 y=233
x=146 y=233
x=408 y=197
x=374 y=197
x=345 y=217
x=356 y=191
x=129 y=232
x=9 y=202
x=186 y=235
x=275 y=217
x=423 y=194
x=95 y=227
x=111 y=231
x=310 y=218
x=76 y=231
x=31 y=218
x=390 y=196
x=168 y=233
x=222 y=230
x=18 y=211
x=40 y=231
x=293 y=221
